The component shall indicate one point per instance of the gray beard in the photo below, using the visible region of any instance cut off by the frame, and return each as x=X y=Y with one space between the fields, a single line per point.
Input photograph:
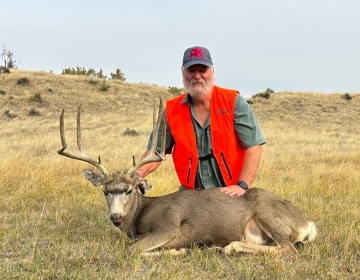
x=194 y=91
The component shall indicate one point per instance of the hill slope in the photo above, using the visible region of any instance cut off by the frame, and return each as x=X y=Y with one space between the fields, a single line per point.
x=20 y=88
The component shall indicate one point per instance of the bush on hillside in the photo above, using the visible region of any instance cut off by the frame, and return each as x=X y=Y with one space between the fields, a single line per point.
x=100 y=74
x=4 y=70
x=118 y=75
x=10 y=115
x=104 y=86
x=33 y=112
x=23 y=81
x=346 y=96
x=93 y=81
x=130 y=132
x=36 y=97
x=79 y=71
x=264 y=94
x=175 y=90
x=8 y=57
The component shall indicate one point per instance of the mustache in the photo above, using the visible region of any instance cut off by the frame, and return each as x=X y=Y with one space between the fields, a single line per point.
x=197 y=81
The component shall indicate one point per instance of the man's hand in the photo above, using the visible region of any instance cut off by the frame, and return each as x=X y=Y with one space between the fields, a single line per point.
x=233 y=190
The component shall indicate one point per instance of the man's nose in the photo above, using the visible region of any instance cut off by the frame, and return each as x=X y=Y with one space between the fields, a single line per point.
x=197 y=75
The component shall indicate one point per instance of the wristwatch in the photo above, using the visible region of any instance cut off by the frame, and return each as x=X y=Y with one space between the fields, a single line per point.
x=242 y=185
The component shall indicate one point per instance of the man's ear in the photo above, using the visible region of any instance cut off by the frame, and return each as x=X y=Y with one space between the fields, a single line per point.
x=95 y=177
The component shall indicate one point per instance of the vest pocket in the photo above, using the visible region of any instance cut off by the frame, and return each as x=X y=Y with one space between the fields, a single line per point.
x=226 y=165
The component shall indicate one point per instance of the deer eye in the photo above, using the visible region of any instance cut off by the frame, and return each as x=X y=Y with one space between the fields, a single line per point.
x=129 y=191
x=105 y=193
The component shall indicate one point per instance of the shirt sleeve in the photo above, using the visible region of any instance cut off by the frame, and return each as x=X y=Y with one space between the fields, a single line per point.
x=169 y=143
x=246 y=125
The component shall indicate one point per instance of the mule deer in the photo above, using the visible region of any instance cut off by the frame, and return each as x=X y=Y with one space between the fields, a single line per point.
x=258 y=221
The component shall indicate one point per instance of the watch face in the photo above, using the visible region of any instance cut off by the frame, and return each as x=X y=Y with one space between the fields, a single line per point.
x=242 y=185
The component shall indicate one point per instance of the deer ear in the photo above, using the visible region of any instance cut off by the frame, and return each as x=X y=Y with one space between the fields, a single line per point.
x=143 y=186
x=96 y=178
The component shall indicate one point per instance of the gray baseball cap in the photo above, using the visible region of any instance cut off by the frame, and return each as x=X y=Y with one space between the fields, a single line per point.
x=196 y=55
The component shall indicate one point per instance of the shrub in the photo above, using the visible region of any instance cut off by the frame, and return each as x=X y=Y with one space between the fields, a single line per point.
x=118 y=75
x=104 y=86
x=4 y=70
x=346 y=96
x=130 y=132
x=79 y=71
x=264 y=94
x=175 y=90
x=100 y=74
x=23 y=81
x=36 y=97
x=8 y=58
x=33 y=112
x=9 y=115
x=93 y=81
x=2 y=92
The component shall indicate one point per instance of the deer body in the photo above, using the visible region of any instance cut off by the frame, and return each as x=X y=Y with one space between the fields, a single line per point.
x=204 y=217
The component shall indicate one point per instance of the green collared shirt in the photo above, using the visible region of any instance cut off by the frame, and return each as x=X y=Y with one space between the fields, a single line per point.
x=248 y=131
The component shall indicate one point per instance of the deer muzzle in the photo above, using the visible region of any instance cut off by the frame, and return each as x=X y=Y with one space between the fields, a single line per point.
x=117 y=220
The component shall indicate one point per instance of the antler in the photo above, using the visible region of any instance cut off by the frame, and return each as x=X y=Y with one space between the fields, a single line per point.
x=82 y=155
x=154 y=156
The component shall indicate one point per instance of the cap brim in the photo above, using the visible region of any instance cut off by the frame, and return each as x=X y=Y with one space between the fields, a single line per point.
x=193 y=62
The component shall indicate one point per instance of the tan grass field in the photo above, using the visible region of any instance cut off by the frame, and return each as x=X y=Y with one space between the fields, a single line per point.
x=54 y=224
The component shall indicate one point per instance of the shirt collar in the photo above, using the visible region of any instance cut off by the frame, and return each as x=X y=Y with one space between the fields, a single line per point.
x=186 y=99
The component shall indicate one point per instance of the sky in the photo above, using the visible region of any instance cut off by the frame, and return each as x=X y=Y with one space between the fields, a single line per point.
x=308 y=45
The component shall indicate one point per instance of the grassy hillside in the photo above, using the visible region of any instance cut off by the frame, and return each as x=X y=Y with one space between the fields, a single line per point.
x=54 y=224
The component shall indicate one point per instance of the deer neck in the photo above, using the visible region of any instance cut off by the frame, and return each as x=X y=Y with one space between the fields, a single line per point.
x=136 y=208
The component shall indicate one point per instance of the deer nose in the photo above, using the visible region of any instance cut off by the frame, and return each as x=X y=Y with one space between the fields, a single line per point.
x=117 y=219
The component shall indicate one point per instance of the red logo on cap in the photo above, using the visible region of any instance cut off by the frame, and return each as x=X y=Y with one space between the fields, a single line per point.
x=196 y=52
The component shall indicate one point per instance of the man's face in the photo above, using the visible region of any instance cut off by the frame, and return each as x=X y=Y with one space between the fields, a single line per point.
x=198 y=80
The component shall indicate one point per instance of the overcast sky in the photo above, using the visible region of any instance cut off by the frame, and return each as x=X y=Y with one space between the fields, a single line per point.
x=307 y=45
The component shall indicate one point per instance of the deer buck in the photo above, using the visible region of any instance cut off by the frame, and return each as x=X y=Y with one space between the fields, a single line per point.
x=258 y=221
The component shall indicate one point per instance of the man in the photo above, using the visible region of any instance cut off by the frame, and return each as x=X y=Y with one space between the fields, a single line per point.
x=212 y=133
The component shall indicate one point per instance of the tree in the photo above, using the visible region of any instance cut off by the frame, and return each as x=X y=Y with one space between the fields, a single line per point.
x=7 y=57
x=118 y=75
x=100 y=74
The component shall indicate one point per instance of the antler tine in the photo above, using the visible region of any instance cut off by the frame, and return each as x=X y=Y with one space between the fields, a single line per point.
x=62 y=133
x=156 y=126
x=78 y=130
x=82 y=156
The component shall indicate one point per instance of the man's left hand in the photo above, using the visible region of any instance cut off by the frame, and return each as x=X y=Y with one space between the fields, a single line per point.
x=233 y=190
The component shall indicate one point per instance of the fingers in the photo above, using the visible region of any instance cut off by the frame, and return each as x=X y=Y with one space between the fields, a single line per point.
x=233 y=190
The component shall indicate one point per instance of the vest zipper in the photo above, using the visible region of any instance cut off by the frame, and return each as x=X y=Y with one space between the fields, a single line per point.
x=227 y=167
x=189 y=170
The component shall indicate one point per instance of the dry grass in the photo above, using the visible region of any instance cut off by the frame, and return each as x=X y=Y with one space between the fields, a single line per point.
x=54 y=224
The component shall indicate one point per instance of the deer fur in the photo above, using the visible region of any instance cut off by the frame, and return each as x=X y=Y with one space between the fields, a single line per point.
x=258 y=221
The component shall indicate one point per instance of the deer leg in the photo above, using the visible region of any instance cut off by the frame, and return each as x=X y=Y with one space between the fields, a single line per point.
x=245 y=247
x=258 y=239
x=152 y=241
x=171 y=252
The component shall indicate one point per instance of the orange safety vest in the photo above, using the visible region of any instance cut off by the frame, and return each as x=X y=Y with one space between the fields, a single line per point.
x=227 y=149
